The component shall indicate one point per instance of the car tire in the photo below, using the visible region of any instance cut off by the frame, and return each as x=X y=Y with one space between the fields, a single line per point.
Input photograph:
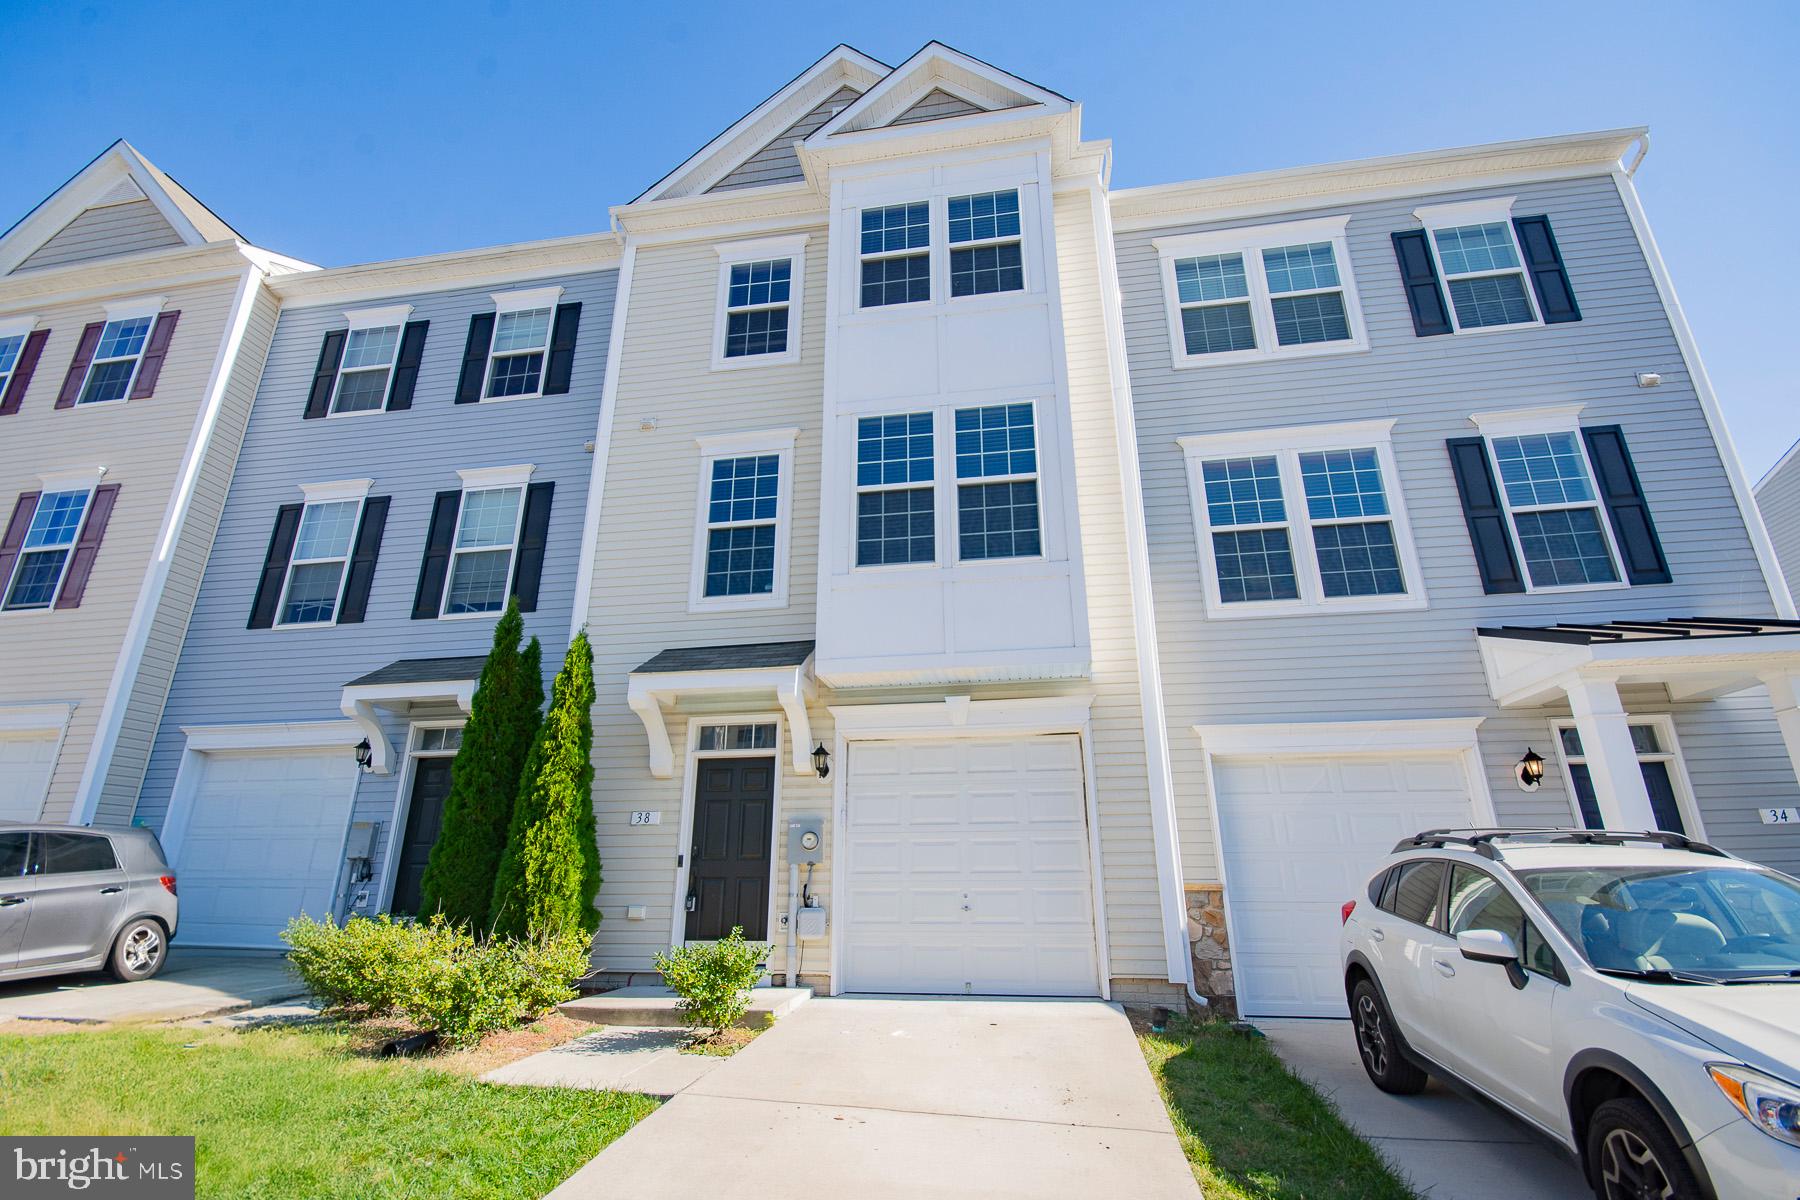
x=139 y=951
x=1631 y=1153
x=1378 y=1043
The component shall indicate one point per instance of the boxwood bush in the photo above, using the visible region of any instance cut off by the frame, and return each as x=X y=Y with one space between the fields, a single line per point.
x=714 y=979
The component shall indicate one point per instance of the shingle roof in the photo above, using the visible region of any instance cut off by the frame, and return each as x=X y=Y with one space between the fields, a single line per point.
x=727 y=658
x=425 y=670
x=1672 y=629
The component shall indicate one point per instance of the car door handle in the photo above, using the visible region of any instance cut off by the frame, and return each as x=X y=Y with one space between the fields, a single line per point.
x=1377 y=934
x=111 y=891
x=1445 y=969
x=9 y=901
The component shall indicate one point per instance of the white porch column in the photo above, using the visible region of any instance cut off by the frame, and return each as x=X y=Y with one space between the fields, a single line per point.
x=1784 y=697
x=1612 y=759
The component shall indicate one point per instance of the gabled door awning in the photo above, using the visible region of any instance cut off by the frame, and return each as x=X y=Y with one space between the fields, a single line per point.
x=401 y=685
x=1697 y=658
x=757 y=671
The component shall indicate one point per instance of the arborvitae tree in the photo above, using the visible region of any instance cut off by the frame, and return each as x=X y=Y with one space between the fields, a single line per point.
x=484 y=783
x=550 y=872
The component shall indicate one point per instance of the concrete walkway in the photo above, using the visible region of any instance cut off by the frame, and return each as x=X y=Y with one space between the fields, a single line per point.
x=891 y=1096
x=194 y=983
x=1447 y=1146
x=619 y=1058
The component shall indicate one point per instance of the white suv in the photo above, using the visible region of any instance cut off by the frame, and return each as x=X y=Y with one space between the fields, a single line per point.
x=1634 y=996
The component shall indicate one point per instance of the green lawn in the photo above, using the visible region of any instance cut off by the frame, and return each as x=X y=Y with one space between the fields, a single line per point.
x=291 y=1114
x=1251 y=1130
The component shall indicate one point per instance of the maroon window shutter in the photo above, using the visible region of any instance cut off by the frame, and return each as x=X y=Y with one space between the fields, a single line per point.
x=81 y=560
x=84 y=355
x=27 y=362
x=154 y=352
x=22 y=513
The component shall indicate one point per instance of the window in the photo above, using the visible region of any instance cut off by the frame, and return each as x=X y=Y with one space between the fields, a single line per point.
x=12 y=854
x=1478 y=255
x=321 y=556
x=116 y=360
x=366 y=369
x=740 y=526
x=441 y=739
x=760 y=285
x=69 y=853
x=737 y=737
x=1654 y=740
x=516 y=358
x=1301 y=518
x=986 y=254
x=487 y=532
x=896 y=254
x=44 y=555
x=1545 y=484
x=1240 y=294
x=1415 y=894
x=1479 y=901
x=10 y=347
x=896 y=520
x=997 y=517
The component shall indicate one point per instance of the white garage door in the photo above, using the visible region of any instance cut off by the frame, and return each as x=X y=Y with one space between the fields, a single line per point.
x=967 y=868
x=25 y=764
x=1303 y=835
x=264 y=841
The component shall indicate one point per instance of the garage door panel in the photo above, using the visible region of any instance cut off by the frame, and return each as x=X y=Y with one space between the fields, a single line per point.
x=26 y=762
x=1242 y=779
x=995 y=856
x=1296 y=778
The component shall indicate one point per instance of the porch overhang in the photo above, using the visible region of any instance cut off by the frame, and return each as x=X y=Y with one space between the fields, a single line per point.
x=757 y=672
x=402 y=686
x=1696 y=658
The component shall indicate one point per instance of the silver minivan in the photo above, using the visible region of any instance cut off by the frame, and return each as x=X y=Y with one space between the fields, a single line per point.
x=79 y=898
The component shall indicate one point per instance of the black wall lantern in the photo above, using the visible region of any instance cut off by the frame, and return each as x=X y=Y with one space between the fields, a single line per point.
x=365 y=754
x=1530 y=770
x=821 y=760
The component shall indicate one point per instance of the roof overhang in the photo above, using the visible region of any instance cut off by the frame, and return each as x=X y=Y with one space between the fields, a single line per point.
x=1695 y=658
x=401 y=687
x=790 y=685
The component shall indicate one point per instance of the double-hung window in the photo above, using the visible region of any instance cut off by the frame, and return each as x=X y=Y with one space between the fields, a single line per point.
x=997 y=482
x=986 y=247
x=366 y=370
x=1659 y=761
x=896 y=254
x=740 y=558
x=1478 y=255
x=516 y=358
x=896 y=497
x=1276 y=290
x=1302 y=519
x=759 y=302
x=44 y=555
x=313 y=592
x=10 y=346
x=1546 y=488
x=116 y=359
x=481 y=556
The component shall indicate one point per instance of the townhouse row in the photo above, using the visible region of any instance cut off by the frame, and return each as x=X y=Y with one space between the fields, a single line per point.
x=999 y=582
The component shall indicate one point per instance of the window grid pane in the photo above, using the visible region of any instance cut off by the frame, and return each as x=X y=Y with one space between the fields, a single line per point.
x=489 y=518
x=763 y=331
x=370 y=347
x=123 y=339
x=896 y=527
x=524 y=330
x=759 y=283
x=361 y=391
x=740 y=561
x=1218 y=329
x=312 y=593
x=984 y=270
x=896 y=280
x=1255 y=564
x=1564 y=547
x=478 y=582
x=56 y=520
x=1490 y=300
x=325 y=530
x=35 y=580
x=984 y=216
x=744 y=489
x=108 y=381
x=894 y=449
x=1474 y=248
x=1542 y=468
x=9 y=353
x=998 y=520
x=1358 y=560
x=1211 y=277
x=1243 y=491
x=897 y=227
x=1302 y=320
x=1342 y=483
x=996 y=440
x=1308 y=268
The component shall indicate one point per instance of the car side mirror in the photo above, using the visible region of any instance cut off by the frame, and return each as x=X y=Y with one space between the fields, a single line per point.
x=1487 y=945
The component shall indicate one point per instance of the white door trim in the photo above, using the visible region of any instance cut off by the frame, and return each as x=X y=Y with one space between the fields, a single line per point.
x=390 y=862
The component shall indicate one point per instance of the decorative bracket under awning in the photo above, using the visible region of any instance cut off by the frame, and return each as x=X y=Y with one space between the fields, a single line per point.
x=781 y=670
x=401 y=685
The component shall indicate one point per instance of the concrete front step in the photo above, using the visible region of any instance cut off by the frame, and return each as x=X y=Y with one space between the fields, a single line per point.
x=655 y=1006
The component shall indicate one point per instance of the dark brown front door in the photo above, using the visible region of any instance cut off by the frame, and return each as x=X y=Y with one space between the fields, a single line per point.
x=728 y=864
x=424 y=818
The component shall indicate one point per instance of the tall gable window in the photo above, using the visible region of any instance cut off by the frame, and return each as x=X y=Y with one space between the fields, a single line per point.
x=759 y=302
x=896 y=254
x=49 y=543
x=1238 y=295
x=1308 y=519
x=116 y=360
x=741 y=535
x=985 y=248
x=896 y=501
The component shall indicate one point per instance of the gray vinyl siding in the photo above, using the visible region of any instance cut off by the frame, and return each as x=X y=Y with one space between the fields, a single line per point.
x=105 y=232
x=1425 y=663
x=777 y=162
x=936 y=105
x=229 y=674
x=1778 y=496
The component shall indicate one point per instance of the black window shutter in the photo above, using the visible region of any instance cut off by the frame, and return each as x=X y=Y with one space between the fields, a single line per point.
x=406 y=367
x=1556 y=299
x=562 y=349
x=362 y=560
x=1625 y=505
x=1418 y=275
x=1486 y=518
x=528 y=564
x=331 y=353
x=435 y=569
x=275 y=565
x=475 y=357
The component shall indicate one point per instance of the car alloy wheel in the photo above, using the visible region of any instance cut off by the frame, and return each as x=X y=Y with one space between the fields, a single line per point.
x=142 y=950
x=1630 y=1170
x=1369 y=1036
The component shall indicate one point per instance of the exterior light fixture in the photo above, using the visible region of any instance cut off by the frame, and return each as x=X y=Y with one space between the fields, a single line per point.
x=1530 y=770
x=821 y=760
x=365 y=754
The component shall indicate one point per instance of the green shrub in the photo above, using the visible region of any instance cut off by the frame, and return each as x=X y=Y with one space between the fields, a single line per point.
x=435 y=974
x=714 y=979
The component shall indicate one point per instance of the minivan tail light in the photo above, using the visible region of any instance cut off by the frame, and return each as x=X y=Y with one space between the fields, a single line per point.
x=168 y=882
x=1343 y=913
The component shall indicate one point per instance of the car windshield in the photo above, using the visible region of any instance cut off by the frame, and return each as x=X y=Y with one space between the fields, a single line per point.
x=1720 y=923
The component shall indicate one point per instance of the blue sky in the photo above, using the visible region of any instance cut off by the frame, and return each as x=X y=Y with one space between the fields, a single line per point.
x=350 y=132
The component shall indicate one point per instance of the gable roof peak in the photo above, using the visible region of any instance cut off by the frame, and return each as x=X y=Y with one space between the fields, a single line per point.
x=936 y=66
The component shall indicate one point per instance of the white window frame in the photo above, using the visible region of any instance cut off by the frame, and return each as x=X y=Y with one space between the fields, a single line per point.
x=1664 y=724
x=939 y=527
x=950 y=247
x=959 y=483
x=81 y=479
x=937 y=248
x=1286 y=446
x=1478 y=212
x=486 y=479
x=524 y=300
x=732 y=254
x=1556 y=418
x=137 y=308
x=15 y=327
x=336 y=492
x=1250 y=243
x=714 y=447
x=395 y=317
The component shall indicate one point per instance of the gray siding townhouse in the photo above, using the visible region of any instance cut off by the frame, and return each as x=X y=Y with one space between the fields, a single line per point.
x=1778 y=498
x=419 y=450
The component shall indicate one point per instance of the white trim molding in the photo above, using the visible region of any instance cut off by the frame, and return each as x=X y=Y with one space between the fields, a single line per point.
x=959 y=716
x=18 y=324
x=273 y=735
x=359 y=702
x=132 y=307
x=378 y=318
x=527 y=299
x=1423 y=735
x=791 y=687
x=1511 y=422
x=71 y=479
x=51 y=717
x=337 y=489
x=479 y=478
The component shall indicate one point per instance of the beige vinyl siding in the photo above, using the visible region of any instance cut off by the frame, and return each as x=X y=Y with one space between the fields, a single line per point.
x=1778 y=496
x=162 y=649
x=936 y=105
x=777 y=162
x=104 y=232
x=69 y=654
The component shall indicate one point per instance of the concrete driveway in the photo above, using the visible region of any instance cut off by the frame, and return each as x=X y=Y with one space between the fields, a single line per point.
x=897 y=1096
x=1447 y=1146
x=193 y=983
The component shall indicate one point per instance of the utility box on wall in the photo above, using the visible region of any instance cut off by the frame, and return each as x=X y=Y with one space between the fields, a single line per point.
x=805 y=841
